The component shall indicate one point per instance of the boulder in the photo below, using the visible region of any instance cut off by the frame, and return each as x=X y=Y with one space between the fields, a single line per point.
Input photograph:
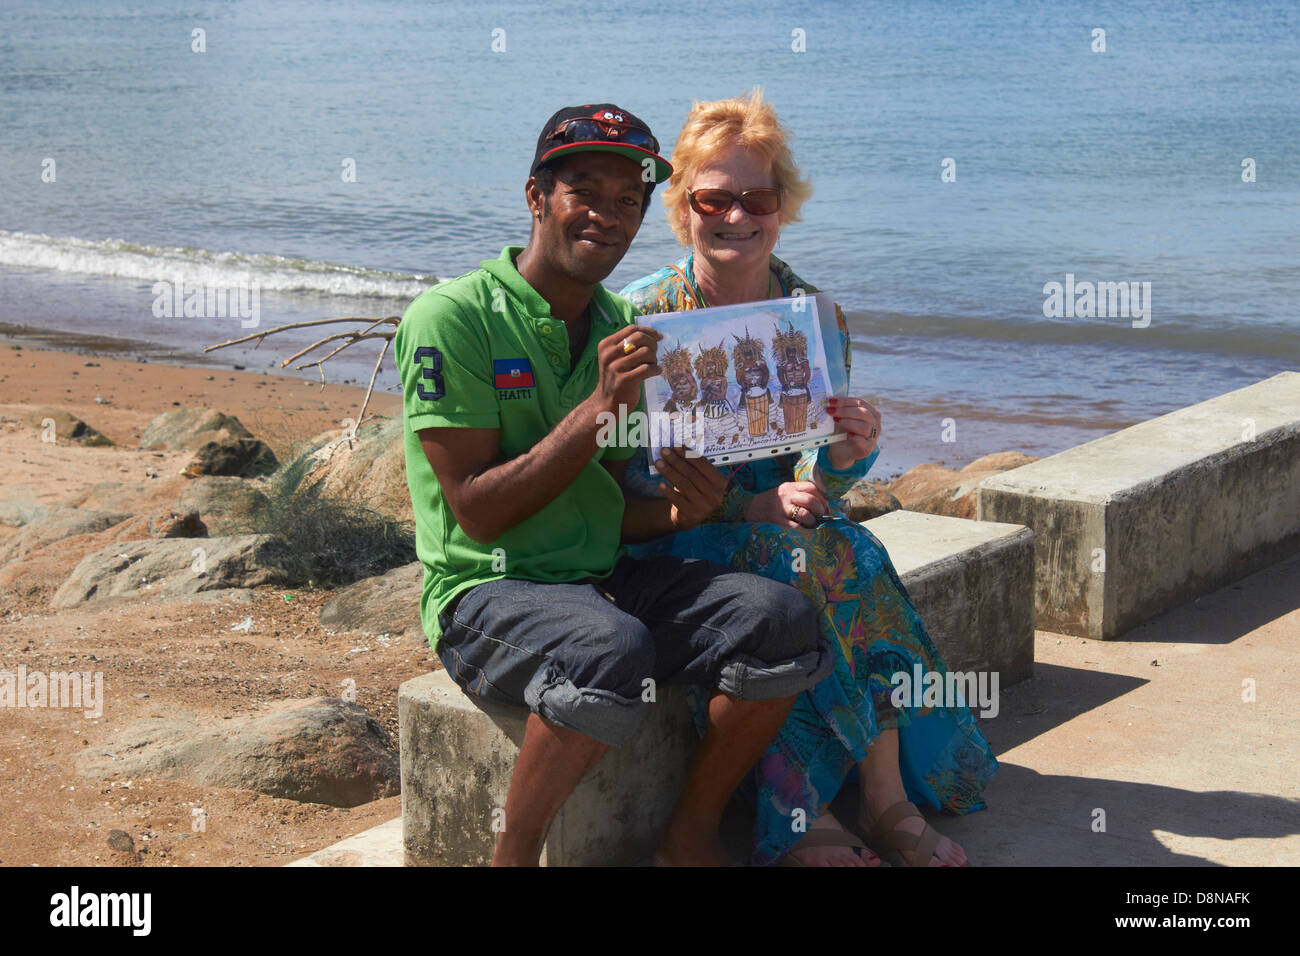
x=228 y=454
x=189 y=429
x=38 y=573
x=173 y=524
x=16 y=514
x=57 y=524
x=385 y=604
x=865 y=501
x=227 y=505
x=319 y=750
x=67 y=426
x=173 y=567
x=936 y=490
x=371 y=469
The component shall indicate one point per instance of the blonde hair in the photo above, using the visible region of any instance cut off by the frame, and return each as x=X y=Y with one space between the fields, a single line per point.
x=712 y=127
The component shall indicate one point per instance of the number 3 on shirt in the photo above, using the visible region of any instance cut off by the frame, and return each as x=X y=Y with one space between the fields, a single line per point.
x=431 y=372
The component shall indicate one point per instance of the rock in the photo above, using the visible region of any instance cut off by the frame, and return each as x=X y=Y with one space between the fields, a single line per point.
x=57 y=524
x=999 y=461
x=66 y=426
x=920 y=488
x=385 y=604
x=38 y=573
x=227 y=505
x=171 y=567
x=121 y=841
x=189 y=429
x=372 y=470
x=171 y=524
x=936 y=490
x=226 y=454
x=865 y=501
x=17 y=514
x=320 y=750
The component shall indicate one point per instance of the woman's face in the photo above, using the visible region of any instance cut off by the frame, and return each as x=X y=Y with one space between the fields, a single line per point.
x=736 y=238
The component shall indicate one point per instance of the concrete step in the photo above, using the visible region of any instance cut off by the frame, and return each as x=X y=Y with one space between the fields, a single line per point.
x=1154 y=515
x=971 y=582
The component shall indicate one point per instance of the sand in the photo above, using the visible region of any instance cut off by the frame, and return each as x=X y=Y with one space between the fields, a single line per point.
x=168 y=658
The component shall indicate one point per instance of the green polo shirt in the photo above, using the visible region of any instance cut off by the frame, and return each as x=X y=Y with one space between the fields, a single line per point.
x=482 y=351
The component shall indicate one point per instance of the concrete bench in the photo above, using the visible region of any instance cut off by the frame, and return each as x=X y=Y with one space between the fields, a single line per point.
x=1147 y=518
x=457 y=757
x=971 y=581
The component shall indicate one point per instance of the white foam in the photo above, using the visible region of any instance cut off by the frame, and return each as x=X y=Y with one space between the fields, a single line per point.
x=127 y=260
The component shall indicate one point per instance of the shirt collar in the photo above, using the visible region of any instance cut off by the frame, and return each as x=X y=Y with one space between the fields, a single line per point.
x=503 y=269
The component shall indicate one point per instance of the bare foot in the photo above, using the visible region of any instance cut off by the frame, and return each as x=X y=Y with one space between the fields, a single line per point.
x=688 y=844
x=833 y=855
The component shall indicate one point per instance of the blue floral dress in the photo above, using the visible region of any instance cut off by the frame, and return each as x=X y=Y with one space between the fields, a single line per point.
x=866 y=615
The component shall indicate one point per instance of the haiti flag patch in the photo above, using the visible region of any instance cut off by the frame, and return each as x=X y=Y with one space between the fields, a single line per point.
x=512 y=373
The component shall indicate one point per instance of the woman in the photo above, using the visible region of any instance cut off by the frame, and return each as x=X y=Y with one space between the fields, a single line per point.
x=735 y=185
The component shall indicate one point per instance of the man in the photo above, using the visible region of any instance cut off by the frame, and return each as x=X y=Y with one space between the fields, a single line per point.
x=529 y=597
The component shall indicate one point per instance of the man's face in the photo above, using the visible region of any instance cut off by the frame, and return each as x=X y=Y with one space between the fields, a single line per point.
x=590 y=219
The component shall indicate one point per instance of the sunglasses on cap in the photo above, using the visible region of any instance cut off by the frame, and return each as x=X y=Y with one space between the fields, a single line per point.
x=592 y=130
x=718 y=202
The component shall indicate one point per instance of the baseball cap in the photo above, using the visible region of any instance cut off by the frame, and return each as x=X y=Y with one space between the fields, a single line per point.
x=598 y=127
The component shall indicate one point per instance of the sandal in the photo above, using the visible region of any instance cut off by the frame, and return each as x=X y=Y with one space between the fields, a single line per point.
x=821 y=837
x=887 y=840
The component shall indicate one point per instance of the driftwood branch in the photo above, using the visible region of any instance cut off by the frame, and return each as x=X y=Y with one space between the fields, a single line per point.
x=350 y=337
x=395 y=320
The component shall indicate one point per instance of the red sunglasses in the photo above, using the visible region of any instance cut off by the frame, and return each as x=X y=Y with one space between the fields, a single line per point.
x=718 y=202
x=582 y=130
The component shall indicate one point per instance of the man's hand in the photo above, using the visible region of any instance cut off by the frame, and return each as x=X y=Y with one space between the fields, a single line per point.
x=793 y=504
x=626 y=359
x=693 y=487
x=861 y=420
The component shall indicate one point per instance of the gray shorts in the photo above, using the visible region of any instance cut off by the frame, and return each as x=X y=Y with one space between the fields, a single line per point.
x=580 y=654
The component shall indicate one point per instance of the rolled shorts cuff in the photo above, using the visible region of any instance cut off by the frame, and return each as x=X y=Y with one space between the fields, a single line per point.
x=599 y=714
x=748 y=678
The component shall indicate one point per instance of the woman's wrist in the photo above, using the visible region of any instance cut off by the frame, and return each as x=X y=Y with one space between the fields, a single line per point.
x=836 y=482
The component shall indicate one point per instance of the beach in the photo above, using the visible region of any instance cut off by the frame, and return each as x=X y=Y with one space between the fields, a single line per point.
x=163 y=660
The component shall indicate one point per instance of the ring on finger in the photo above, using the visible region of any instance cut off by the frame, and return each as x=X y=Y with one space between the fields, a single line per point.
x=794 y=513
x=628 y=347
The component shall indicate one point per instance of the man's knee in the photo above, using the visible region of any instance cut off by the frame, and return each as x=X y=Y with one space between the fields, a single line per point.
x=783 y=651
x=783 y=623
x=593 y=684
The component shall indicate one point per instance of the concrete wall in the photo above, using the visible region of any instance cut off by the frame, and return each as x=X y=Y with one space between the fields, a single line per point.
x=1137 y=522
x=972 y=584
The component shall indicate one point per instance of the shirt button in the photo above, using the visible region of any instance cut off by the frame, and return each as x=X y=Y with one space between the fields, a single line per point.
x=546 y=330
x=555 y=360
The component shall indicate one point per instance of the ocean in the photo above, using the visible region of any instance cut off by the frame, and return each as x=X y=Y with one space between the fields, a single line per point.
x=341 y=157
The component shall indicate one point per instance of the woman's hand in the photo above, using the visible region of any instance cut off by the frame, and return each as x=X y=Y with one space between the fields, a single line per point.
x=793 y=504
x=693 y=487
x=860 y=419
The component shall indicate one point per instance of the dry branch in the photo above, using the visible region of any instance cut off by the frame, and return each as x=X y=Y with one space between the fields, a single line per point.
x=351 y=337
